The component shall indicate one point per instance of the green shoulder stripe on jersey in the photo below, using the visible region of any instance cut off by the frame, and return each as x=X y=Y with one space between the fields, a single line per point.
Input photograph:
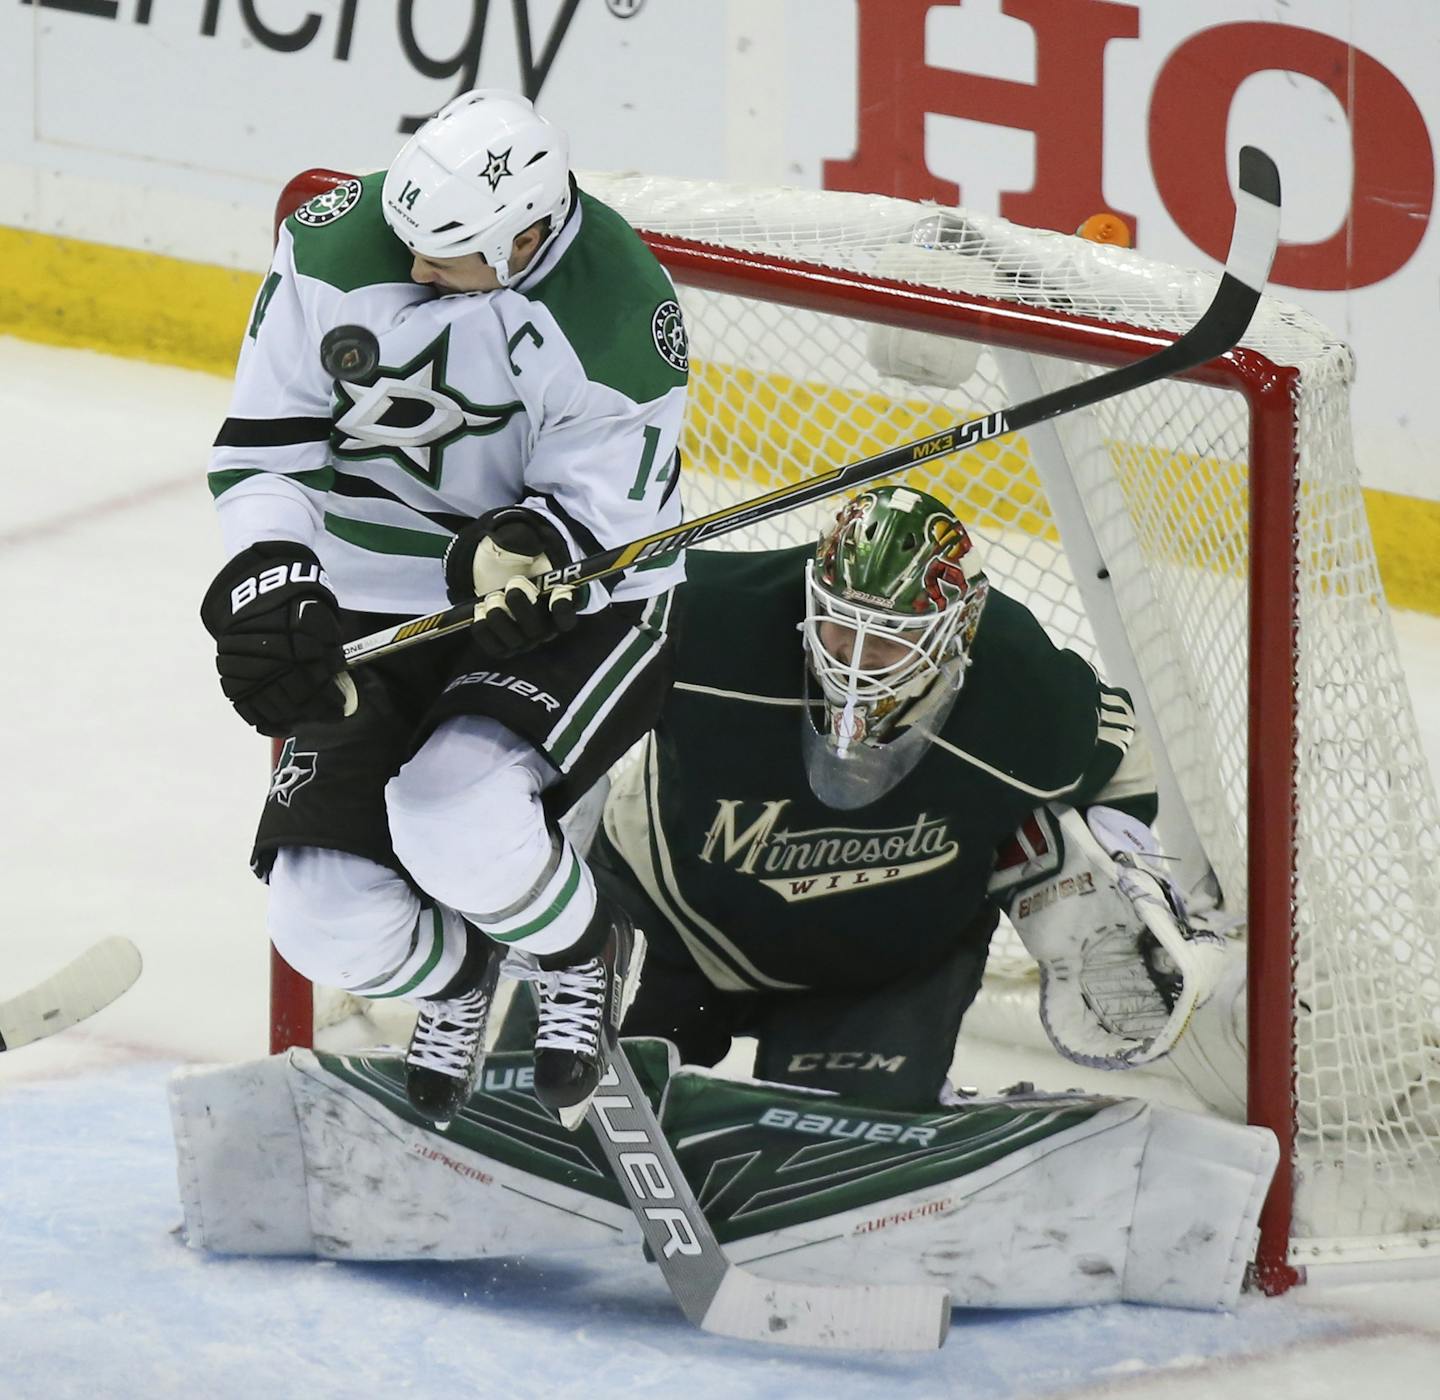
x=1028 y=708
x=319 y=480
x=387 y=539
x=604 y=293
x=355 y=250
x=737 y=620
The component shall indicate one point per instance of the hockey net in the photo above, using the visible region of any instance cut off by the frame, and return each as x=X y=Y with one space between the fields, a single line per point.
x=1204 y=543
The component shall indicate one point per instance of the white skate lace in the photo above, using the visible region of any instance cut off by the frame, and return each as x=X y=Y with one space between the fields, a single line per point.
x=574 y=1022
x=447 y=1034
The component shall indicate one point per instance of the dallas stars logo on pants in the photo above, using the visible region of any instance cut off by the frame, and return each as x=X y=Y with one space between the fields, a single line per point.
x=292 y=772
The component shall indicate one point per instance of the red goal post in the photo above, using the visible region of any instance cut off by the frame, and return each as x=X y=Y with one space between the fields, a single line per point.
x=1203 y=541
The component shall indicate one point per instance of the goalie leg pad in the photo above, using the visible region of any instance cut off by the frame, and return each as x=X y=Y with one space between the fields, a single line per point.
x=1072 y=1201
x=289 y=1156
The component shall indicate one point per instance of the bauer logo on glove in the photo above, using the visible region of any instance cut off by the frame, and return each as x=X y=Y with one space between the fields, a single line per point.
x=247 y=590
x=277 y=638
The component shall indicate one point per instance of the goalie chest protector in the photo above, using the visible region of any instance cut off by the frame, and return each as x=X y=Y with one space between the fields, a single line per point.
x=809 y=894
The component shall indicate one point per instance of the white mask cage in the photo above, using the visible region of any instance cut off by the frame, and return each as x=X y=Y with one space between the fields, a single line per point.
x=907 y=653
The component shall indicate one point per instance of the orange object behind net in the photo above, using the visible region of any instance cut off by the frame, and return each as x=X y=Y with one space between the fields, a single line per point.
x=1106 y=228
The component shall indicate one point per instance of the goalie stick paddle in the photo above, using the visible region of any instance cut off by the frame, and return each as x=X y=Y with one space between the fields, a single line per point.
x=77 y=991
x=718 y=1296
x=1252 y=249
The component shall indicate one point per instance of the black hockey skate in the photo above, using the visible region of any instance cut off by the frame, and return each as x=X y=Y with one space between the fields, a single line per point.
x=446 y=1047
x=577 y=1002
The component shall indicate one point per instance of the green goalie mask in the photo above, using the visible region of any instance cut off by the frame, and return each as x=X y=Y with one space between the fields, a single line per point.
x=893 y=599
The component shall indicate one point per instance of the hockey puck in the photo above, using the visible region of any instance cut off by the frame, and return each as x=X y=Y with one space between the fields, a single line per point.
x=350 y=353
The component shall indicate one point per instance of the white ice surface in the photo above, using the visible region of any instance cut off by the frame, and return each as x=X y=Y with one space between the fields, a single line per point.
x=131 y=792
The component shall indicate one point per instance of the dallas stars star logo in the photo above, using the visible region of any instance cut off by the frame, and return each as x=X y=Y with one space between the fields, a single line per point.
x=496 y=167
x=292 y=771
x=411 y=414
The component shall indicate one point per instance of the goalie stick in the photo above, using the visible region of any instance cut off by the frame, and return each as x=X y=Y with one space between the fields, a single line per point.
x=77 y=991
x=718 y=1296
x=1252 y=249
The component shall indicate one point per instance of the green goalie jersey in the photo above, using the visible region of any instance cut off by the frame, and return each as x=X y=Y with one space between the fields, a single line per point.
x=770 y=889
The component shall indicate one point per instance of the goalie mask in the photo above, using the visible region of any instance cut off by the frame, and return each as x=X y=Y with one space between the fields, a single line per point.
x=893 y=599
x=476 y=175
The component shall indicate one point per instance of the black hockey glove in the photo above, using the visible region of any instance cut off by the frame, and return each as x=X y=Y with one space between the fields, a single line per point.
x=493 y=560
x=277 y=635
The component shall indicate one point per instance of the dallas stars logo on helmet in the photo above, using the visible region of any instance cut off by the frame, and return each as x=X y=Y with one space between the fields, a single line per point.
x=497 y=167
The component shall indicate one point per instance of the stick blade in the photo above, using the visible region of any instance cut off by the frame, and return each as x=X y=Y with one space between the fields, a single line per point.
x=1258 y=175
x=80 y=989
x=862 y=1317
x=1257 y=221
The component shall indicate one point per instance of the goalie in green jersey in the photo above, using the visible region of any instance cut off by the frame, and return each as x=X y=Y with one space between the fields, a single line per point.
x=869 y=752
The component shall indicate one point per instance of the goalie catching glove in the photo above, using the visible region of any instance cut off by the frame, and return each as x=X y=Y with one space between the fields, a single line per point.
x=494 y=561
x=1121 y=968
x=277 y=638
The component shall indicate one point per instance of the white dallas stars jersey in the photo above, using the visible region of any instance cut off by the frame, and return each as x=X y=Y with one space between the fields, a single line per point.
x=563 y=392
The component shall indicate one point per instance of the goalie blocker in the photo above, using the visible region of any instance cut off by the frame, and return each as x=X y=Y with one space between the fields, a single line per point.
x=1122 y=969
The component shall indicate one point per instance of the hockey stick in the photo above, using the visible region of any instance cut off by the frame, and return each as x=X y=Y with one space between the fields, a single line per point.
x=1252 y=248
x=719 y=1296
x=78 y=990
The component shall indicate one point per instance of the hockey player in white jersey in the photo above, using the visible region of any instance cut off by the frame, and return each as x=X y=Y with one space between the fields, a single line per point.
x=524 y=411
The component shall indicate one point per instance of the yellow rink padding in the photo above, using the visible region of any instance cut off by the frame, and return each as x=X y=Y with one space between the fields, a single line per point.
x=1406 y=531
x=766 y=429
x=140 y=305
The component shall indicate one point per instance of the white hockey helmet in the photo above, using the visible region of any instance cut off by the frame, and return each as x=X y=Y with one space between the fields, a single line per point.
x=478 y=173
